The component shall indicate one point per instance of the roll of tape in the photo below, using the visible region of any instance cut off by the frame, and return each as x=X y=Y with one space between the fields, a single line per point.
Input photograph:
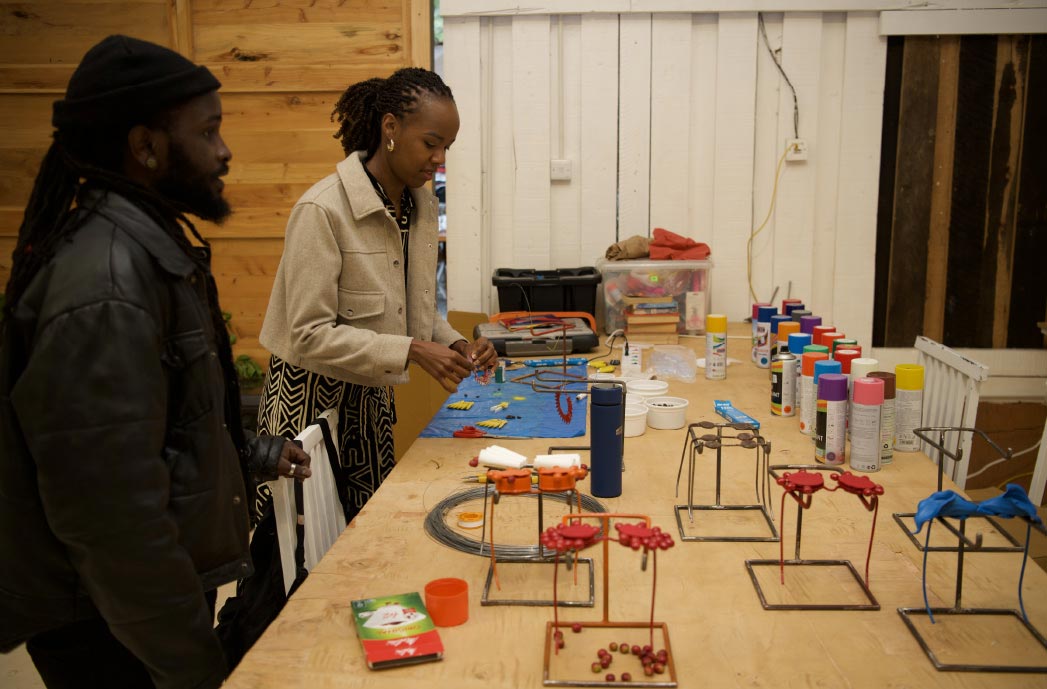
x=470 y=520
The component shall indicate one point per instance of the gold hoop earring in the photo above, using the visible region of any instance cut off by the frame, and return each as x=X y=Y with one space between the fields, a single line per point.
x=390 y=146
x=150 y=163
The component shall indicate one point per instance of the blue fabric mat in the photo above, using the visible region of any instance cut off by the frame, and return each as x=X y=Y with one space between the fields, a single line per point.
x=537 y=411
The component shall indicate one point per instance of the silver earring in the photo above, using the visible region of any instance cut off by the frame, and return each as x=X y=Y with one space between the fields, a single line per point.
x=150 y=163
x=390 y=146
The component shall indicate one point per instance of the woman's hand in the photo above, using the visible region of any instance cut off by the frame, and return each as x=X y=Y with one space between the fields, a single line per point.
x=445 y=364
x=481 y=353
x=293 y=462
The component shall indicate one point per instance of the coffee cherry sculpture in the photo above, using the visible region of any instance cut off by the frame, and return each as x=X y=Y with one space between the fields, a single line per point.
x=573 y=536
x=801 y=487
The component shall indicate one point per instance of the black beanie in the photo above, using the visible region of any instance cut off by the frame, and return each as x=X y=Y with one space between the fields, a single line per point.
x=126 y=80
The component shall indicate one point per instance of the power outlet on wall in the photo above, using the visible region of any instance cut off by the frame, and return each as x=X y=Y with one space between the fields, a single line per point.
x=560 y=170
x=797 y=150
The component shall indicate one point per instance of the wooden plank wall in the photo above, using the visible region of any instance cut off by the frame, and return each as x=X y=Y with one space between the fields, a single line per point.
x=670 y=119
x=282 y=63
x=963 y=215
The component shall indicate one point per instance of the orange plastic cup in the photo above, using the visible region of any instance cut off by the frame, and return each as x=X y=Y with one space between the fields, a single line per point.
x=447 y=601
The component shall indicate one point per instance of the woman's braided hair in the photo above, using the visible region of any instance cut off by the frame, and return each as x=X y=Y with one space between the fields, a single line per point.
x=360 y=110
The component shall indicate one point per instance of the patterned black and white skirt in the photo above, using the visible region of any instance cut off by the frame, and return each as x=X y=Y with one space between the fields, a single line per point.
x=293 y=398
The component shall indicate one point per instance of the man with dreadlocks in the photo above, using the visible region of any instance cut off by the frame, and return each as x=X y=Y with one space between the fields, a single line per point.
x=122 y=461
x=355 y=294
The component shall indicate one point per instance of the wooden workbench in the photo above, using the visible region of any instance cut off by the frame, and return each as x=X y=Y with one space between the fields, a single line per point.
x=720 y=636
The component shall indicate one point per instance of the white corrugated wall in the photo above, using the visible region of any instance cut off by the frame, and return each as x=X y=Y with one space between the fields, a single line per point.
x=673 y=120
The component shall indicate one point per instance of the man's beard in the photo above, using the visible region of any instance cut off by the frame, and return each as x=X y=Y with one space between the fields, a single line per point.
x=193 y=189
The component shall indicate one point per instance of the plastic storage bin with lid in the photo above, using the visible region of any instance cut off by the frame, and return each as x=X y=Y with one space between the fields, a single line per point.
x=628 y=282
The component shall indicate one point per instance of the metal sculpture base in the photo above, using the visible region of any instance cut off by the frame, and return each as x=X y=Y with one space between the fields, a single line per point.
x=485 y=598
x=908 y=613
x=872 y=603
x=956 y=456
x=768 y=517
x=598 y=679
x=747 y=438
x=797 y=561
x=901 y=518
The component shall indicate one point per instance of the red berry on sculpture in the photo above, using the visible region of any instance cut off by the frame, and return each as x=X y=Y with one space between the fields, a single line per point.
x=626 y=677
x=648 y=670
x=659 y=668
x=576 y=627
x=613 y=646
x=474 y=462
x=624 y=648
x=609 y=677
x=597 y=668
x=605 y=662
x=636 y=649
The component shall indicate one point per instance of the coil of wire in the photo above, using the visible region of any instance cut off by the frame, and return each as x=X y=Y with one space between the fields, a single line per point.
x=437 y=527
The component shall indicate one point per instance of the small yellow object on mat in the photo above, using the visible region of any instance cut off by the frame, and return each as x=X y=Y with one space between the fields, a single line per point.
x=606 y=369
x=461 y=406
x=500 y=406
x=492 y=423
x=519 y=399
x=598 y=364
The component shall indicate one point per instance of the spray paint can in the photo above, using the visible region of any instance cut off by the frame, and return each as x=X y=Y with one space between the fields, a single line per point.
x=860 y=368
x=808 y=324
x=797 y=341
x=829 y=338
x=807 y=396
x=776 y=321
x=908 y=406
x=716 y=346
x=784 y=331
x=763 y=336
x=607 y=437
x=845 y=357
x=843 y=343
x=865 y=424
x=798 y=314
x=755 y=320
x=783 y=384
x=830 y=437
x=819 y=331
x=790 y=305
x=887 y=416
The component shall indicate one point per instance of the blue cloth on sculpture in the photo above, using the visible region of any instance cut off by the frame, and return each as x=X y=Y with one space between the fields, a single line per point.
x=1014 y=502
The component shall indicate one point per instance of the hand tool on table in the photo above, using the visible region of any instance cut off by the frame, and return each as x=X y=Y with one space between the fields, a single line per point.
x=474 y=432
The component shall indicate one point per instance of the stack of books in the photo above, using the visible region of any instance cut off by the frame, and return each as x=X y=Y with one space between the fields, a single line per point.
x=653 y=315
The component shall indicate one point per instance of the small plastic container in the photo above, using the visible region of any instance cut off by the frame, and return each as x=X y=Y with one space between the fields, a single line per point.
x=647 y=388
x=635 y=420
x=447 y=601
x=667 y=413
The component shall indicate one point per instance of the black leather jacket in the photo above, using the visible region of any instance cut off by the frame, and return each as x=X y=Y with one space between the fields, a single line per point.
x=121 y=491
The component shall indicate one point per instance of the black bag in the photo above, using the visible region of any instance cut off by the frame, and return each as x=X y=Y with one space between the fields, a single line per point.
x=260 y=597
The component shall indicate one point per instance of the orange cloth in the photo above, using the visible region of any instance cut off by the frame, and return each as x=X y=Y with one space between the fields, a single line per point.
x=668 y=245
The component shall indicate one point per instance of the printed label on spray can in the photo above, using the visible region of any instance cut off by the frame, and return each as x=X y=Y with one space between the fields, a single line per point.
x=821 y=407
x=807 y=405
x=763 y=344
x=887 y=431
x=908 y=412
x=865 y=437
x=716 y=356
x=835 y=438
x=783 y=385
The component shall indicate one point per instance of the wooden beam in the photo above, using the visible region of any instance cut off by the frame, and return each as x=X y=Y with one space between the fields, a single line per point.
x=941 y=187
x=1012 y=59
x=909 y=243
x=419 y=25
x=182 y=27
